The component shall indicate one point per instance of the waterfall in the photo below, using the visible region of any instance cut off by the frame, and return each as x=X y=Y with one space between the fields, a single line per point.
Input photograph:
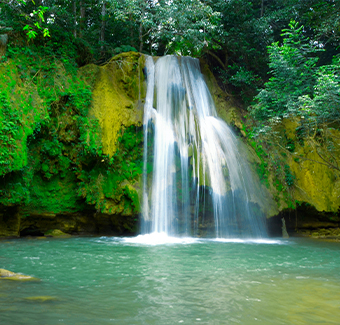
x=195 y=181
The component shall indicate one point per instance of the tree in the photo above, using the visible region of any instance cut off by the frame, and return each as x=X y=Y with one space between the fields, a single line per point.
x=35 y=20
x=293 y=68
x=303 y=92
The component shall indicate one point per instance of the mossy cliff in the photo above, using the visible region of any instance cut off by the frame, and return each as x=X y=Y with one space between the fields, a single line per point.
x=303 y=173
x=71 y=150
x=71 y=144
x=315 y=180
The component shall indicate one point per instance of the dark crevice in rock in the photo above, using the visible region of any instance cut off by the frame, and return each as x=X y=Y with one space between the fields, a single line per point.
x=305 y=220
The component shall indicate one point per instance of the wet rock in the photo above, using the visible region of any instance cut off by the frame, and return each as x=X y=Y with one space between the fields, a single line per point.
x=322 y=233
x=8 y=275
x=56 y=233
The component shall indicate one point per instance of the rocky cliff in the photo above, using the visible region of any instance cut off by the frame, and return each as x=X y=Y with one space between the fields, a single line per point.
x=71 y=151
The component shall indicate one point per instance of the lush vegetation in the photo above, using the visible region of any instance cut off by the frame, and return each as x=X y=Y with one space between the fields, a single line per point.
x=51 y=153
x=280 y=59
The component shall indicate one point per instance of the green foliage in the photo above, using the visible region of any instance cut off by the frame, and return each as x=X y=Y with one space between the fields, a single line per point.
x=133 y=195
x=9 y=135
x=262 y=167
x=106 y=182
x=244 y=80
x=301 y=91
x=324 y=104
x=289 y=177
x=35 y=20
x=124 y=48
x=293 y=67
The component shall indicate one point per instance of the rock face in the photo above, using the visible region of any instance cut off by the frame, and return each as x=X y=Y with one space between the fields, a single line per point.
x=308 y=194
x=9 y=222
x=316 y=182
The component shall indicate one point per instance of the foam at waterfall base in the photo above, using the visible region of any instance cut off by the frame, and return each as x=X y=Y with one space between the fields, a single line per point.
x=250 y=241
x=161 y=238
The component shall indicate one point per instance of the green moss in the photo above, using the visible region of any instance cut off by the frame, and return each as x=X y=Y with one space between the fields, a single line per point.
x=131 y=193
x=104 y=185
x=117 y=96
x=56 y=233
x=55 y=195
x=41 y=299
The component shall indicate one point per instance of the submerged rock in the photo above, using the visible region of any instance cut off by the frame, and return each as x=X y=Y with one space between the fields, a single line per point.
x=8 y=275
x=41 y=299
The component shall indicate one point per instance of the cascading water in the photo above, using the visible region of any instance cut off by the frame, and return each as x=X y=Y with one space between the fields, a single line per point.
x=195 y=182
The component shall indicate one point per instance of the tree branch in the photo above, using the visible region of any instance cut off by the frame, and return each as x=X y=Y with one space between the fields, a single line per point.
x=216 y=58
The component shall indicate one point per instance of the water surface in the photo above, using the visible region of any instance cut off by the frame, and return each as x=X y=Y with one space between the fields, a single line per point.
x=129 y=281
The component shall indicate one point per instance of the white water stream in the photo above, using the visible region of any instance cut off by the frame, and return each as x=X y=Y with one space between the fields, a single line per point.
x=195 y=181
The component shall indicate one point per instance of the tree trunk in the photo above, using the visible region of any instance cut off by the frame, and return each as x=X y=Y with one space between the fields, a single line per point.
x=3 y=44
x=102 y=27
x=82 y=18
x=131 y=30
x=75 y=18
x=142 y=7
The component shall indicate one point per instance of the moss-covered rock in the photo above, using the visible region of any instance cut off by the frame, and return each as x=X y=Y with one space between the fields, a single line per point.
x=308 y=167
x=41 y=299
x=56 y=233
x=117 y=96
x=8 y=275
x=315 y=182
x=227 y=108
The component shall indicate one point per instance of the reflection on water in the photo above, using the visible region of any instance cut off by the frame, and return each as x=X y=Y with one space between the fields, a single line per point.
x=129 y=281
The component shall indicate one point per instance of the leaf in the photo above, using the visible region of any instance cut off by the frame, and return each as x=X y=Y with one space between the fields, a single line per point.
x=46 y=32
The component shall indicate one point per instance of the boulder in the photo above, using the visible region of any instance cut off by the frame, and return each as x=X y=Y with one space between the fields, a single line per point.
x=8 y=275
x=56 y=233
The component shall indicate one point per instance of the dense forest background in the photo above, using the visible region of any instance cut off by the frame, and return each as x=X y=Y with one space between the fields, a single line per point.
x=285 y=45
x=278 y=59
